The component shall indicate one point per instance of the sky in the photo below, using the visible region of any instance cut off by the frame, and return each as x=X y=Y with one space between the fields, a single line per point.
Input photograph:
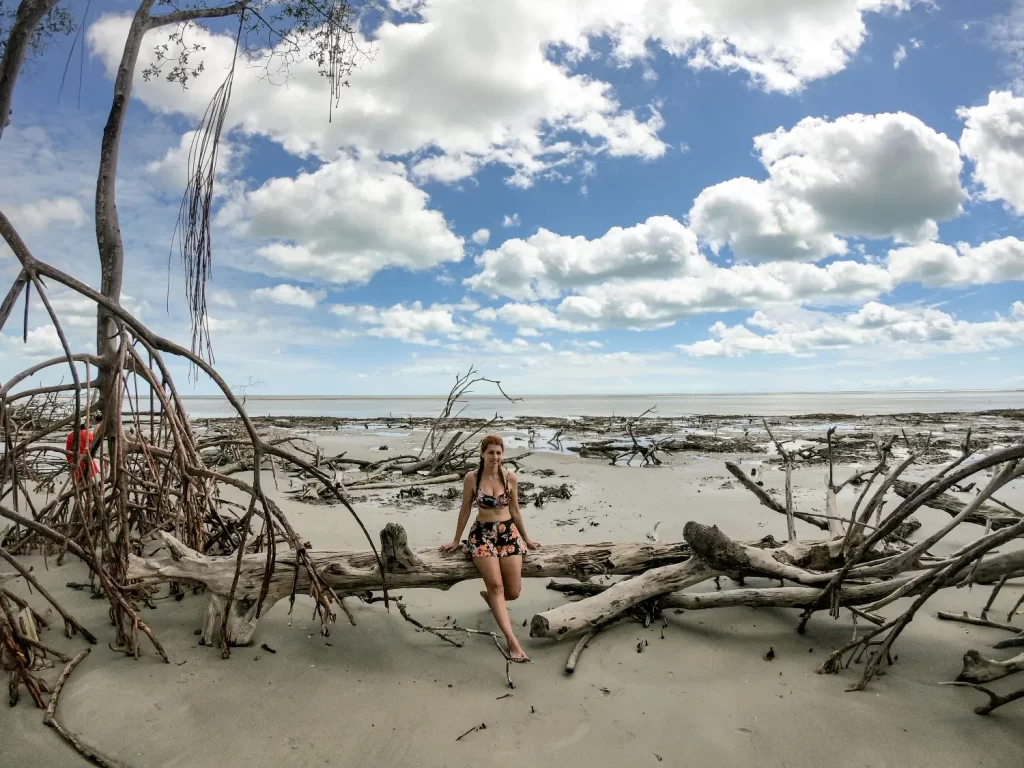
x=573 y=196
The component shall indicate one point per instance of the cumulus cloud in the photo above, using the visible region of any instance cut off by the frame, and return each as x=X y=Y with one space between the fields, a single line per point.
x=654 y=273
x=471 y=81
x=886 y=175
x=474 y=82
x=40 y=214
x=640 y=305
x=481 y=236
x=343 y=223
x=936 y=264
x=511 y=221
x=1018 y=310
x=415 y=323
x=993 y=139
x=173 y=167
x=547 y=264
x=529 y=318
x=290 y=295
x=914 y=331
x=42 y=342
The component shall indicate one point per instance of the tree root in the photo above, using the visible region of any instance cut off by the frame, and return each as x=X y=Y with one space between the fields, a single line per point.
x=995 y=700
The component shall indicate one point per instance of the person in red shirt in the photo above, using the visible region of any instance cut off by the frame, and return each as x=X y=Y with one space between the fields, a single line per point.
x=84 y=464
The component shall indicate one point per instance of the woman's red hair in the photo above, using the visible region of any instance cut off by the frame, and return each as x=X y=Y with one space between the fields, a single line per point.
x=490 y=440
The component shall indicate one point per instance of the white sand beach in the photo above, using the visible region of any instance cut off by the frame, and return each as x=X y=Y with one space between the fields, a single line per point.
x=384 y=693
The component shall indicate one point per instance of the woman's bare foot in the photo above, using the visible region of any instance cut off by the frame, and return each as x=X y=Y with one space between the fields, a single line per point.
x=486 y=597
x=516 y=652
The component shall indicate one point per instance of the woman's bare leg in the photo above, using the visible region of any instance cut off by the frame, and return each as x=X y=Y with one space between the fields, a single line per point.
x=491 y=569
x=511 y=576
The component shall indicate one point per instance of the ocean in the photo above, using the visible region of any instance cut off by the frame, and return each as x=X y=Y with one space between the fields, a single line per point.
x=781 y=404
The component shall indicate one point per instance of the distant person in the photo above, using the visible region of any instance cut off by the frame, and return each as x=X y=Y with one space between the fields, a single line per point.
x=497 y=539
x=78 y=455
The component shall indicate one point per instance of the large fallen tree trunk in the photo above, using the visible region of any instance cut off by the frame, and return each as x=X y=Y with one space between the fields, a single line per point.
x=716 y=554
x=357 y=572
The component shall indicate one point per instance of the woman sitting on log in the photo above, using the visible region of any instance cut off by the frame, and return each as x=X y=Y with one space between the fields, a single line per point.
x=497 y=540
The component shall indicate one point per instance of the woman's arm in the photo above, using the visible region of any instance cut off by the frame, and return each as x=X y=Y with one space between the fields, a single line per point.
x=464 y=512
x=517 y=514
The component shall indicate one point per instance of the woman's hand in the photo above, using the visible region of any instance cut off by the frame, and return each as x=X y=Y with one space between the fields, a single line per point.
x=531 y=544
x=451 y=546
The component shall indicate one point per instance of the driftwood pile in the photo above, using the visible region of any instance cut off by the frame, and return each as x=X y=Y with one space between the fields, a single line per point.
x=863 y=562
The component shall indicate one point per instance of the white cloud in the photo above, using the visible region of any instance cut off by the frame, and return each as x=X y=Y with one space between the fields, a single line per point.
x=1018 y=310
x=511 y=221
x=993 y=139
x=647 y=304
x=290 y=295
x=42 y=342
x=913 y=331
x=41 y=214
x=174 y=166
x=222 y=299
x=481 y=236
x=652 y=274
x=540 y=369
x=475 y=82
x=470 y=80
x=344 y=223
x=414 y=323
x=906 y=382
x=936 y=264
x=529 y=317
x=885 y=175
x=899 y=56
x=547 y=264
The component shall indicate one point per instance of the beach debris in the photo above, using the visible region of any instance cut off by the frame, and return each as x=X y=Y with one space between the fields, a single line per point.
x=834 y=572
x=653 y=535
x=267 y=648
x=770 y=655
x=481 y=727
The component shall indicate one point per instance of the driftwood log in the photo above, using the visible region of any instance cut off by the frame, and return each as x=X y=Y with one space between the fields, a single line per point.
x=978 y=669
x=804 y=562
x=358 y=572
x=715 y=554
x=985 y=514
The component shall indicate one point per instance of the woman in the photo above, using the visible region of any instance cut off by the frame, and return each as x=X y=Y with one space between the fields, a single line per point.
x=498 y=539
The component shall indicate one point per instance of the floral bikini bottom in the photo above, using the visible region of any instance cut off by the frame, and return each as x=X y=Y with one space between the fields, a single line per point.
x=500 y=539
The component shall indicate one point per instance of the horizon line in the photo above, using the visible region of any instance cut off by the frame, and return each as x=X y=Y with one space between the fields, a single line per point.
x=618 y=394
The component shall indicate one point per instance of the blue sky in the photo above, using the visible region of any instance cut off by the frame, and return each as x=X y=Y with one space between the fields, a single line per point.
x=574 y=196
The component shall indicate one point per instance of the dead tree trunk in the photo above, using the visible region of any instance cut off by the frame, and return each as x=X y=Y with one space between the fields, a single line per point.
x=358 y=572
x=811 y=564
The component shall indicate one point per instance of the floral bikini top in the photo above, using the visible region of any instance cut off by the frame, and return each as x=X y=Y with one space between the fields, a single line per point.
x=485 y=501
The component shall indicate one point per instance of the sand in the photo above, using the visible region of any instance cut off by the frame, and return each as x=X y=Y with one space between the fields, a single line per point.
x=381 y=693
